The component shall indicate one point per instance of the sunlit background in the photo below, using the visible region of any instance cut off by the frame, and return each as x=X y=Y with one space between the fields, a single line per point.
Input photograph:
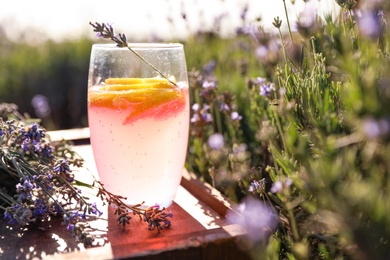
x=144 y=20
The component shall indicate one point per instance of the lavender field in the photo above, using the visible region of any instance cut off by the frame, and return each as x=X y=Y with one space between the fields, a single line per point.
x=289 y=121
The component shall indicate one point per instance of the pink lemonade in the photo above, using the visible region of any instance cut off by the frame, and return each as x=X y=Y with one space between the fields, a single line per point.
x=139 y=136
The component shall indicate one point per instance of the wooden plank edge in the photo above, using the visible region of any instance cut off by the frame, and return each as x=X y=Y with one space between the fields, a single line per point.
x=206 y=193
x=76 y=135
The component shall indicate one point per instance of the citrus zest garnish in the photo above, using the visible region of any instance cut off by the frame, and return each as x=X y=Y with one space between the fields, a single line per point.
x=136 y=83
x=149 y=97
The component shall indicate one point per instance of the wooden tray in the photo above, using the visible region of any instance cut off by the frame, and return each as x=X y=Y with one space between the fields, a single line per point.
x=199 y=228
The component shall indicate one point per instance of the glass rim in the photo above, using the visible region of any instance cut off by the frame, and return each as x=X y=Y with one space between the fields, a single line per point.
x=138 y=45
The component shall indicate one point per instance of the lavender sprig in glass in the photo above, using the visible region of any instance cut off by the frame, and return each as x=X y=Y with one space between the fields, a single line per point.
x=106 y=31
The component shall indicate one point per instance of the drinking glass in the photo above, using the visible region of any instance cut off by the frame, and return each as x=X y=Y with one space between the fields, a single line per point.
x=138 y=114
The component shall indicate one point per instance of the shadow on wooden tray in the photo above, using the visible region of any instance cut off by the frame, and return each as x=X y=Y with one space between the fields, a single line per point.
x=186 y=239
x=35 y=241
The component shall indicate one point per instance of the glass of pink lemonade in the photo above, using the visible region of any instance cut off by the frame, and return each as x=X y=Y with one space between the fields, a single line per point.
x=139 y=119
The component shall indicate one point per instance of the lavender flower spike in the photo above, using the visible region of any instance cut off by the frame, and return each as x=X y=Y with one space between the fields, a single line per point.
x=258 y=219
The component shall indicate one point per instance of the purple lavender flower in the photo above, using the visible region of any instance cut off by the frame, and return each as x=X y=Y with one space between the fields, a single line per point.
x=260 y=81
x=70 y=227
x=167 y=222
x=18 y=214
x=33 y=132
x=307 y=18
x=41 y=105
x=376 y=128
x=62 y=168
x=195 y=118
x=40 y=208
x=26 y=145
x=47 y=151
x=288 y=182
x=155 y=224
x=224 y=107
x=216 y=141
x=209 y=68
x=29 y=145
x=71 y=216
x=26 y=186
x=156 y=206
x=24 y=189
x=11 y=213
x=266 y=89
x=8 y=216
x=103 y=30
x=209 y=84
x=252 y=30
x=279 y=186
x=124 y=219
x=209 y=87
x=257 y=185
x=244 y=12
x=261 y=52
x=258 y=219
x=371 y=24
x=226 y=102
x=195 y=107
x=201 y=115
x=235 y=116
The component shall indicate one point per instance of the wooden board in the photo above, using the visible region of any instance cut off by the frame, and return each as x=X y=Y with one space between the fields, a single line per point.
x=199 y=228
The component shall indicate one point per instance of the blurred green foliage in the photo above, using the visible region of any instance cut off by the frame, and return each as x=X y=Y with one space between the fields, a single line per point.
x=58 y=71
x=313 y=141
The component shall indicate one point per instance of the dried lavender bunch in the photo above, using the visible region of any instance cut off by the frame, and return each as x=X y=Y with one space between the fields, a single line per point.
x=36 y=180
x=106 y=31
x=155 y=216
